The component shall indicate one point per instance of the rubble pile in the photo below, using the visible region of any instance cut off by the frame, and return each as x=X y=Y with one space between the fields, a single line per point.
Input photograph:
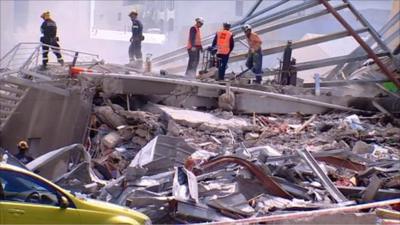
x=117 y=135
x=179 y=165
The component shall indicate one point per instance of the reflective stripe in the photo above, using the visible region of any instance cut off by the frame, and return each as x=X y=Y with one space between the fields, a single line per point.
x=223 y=42
x=197 y=40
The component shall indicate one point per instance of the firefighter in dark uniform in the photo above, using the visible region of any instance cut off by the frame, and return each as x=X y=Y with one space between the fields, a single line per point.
x=22 y=154
x=49 y=31
x=135 y=49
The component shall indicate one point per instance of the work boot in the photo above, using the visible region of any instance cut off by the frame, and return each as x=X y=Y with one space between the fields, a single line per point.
x=258 y=79
x=61 y=61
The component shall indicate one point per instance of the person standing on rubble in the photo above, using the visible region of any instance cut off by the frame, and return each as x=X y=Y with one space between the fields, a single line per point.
x=224 y=43
x=194 y=47
x=50 y=39
x=22 y=155
x=135 y=48
x=254 y=57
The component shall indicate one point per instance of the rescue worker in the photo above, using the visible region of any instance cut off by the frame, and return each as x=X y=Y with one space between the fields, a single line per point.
x=22 y=155
x=194 y=47
x=49 y=31
x=224 y=43
x=135 y=49
x=254 y=57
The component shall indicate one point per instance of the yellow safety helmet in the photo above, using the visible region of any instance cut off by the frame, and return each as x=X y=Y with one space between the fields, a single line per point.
x=23 y=145
x=45 y=15
x=133 y=12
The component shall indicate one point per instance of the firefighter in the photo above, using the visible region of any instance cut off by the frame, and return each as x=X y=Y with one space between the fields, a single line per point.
x=254 y=57
x=22 y=155
x=194 y=47
x=135 y=48
x=224 y=43
x=49 y=31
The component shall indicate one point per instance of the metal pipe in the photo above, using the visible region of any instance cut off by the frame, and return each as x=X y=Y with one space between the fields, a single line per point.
x=326 y=182
x=287 y=217
x=209 y=38
x=265 y=30
x=261 y=21
x=370 y=52
x=13 y=54
x=333 y=61
x=255 y=6
x=365 y=23
x=298 y=44
x=260 y=12
x=9 y=52
x=29 y=60
x=293 y=21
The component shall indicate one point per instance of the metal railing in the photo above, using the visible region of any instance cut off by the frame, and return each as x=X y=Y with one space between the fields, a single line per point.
x=28 y=55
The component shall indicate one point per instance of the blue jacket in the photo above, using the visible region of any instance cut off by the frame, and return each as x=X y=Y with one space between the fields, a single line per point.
x=137 y=30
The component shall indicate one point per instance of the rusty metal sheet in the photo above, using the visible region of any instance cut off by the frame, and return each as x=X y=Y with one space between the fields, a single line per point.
x=345 y=163
x=268 y=182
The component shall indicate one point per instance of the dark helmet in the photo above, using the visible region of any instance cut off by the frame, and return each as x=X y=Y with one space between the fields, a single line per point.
x=227 y=25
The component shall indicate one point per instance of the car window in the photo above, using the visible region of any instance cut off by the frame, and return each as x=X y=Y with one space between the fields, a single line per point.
x=18 y=187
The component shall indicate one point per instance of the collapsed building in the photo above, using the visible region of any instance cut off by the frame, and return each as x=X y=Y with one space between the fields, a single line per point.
x=189 y=151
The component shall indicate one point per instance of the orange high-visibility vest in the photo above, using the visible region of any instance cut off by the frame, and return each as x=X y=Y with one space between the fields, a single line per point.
x=223 y=42
x=197 y=40
x=254 y=41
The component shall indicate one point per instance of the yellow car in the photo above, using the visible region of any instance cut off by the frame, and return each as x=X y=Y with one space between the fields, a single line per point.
x=27 y=198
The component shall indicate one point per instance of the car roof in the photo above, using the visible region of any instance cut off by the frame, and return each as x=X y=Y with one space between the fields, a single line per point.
x=14 y=168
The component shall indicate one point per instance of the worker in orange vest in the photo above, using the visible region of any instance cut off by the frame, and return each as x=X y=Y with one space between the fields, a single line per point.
x=194 y=47
x=254 y=57
x=224 y=43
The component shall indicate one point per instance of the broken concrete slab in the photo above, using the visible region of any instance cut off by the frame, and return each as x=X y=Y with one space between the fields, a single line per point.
x=195 y=119
x=108 y=116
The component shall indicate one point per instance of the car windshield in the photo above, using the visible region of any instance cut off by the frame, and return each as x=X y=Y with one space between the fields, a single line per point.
x=19 y=187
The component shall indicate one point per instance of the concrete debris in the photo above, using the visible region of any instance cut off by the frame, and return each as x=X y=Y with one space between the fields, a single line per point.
x=190 y=165
x=178 y=165
x=195 y=149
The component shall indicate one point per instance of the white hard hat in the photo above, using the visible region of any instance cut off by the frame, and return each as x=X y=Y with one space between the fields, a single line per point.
x=199 y=20
x=246 y=27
